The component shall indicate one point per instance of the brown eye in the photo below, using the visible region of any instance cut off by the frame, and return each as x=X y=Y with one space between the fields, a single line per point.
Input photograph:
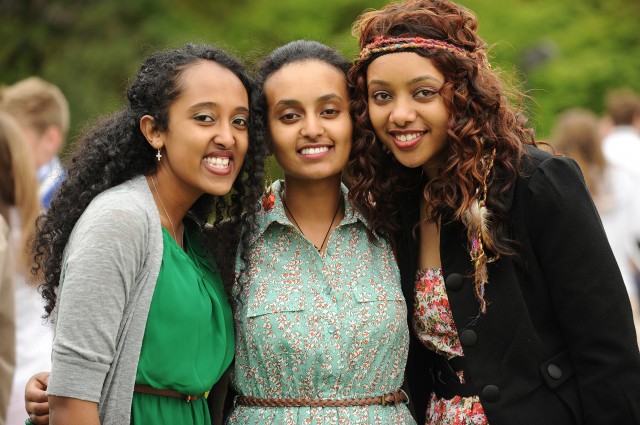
x=204 y=118
x=381 y=96
x=425 y=93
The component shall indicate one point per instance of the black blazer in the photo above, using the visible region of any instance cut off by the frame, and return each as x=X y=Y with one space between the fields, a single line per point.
x=557 y=344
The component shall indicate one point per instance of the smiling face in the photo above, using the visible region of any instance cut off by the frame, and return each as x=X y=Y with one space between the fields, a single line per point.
x=207 y=137
x=406 y=109
x=309 y=121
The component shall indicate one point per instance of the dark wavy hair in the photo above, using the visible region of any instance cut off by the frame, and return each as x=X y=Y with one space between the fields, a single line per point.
x=481 y=120
x=114 y=150
x=293 y=52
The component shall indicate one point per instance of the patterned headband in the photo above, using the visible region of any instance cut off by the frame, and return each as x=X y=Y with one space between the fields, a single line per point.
x=383 y=44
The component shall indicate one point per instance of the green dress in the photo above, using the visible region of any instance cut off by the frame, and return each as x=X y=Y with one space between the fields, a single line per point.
x=188 y=341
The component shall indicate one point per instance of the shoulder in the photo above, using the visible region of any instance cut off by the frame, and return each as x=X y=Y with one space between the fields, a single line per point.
x=550 y=173
x=127 y=209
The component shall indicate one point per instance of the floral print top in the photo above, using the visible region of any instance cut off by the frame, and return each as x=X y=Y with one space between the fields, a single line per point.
x=433 y=324
x=329 y=326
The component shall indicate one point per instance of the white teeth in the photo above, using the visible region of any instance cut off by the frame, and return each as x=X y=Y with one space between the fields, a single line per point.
x=313 y=151
x=217 y=162
x=406 y=137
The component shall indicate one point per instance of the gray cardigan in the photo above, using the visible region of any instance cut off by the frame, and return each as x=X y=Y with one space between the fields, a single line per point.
x=109 y=272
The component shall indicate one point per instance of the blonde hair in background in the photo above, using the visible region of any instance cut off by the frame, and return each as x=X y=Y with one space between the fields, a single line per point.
x=577 y=136
x=37 y=104
x=18 y=182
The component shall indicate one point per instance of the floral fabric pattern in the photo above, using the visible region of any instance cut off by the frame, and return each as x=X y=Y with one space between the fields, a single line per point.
x=433 y=324
x=329 y=326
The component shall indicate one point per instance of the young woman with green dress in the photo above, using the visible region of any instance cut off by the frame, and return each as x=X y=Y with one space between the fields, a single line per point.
x=143 y=326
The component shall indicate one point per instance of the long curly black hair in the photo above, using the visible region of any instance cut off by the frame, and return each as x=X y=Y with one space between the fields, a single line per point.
x=114 y=150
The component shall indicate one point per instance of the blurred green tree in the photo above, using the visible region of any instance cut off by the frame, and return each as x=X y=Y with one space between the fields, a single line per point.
x=563 y=53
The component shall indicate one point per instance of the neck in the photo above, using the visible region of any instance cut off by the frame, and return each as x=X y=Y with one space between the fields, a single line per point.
x=313 y=200
x=171 y=201
x=315 y=208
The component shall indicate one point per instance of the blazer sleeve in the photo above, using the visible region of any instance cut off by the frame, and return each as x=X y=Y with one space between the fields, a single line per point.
x=587 y=292
x=102 y=259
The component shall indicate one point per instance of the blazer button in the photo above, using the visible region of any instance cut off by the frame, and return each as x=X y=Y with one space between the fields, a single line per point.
x=491 y=393
x=468 y=338
x=554 y=371
x=454 y=281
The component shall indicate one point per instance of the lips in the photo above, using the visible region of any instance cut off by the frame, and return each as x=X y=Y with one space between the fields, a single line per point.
x=314 y=151
x=406 y=139
x=219 y=163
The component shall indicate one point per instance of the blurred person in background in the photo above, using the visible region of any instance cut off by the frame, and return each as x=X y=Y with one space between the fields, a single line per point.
x=43 y=113
x=621 y=144
x=7 y=320
x=576 y=135
x=19 y=207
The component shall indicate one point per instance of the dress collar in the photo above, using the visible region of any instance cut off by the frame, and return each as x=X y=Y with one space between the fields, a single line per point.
x=276 y=214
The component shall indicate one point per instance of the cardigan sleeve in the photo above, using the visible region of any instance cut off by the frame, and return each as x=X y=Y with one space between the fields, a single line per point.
x=102 y=259
x=587 y=292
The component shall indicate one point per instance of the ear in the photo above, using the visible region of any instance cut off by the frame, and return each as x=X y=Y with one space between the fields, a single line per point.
x=51 y=140
x=151 y=132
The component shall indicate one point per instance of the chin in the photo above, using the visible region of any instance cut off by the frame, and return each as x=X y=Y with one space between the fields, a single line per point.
x=409 y=162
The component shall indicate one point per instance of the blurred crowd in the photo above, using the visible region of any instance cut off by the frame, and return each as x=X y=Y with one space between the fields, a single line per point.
x=34 y=119
x=607 y=149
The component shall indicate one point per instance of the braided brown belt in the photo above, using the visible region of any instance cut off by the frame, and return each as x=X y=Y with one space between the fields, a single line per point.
x=384 y=400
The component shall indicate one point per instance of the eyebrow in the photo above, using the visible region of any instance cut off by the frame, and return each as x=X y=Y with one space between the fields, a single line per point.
x=294 y=102
x=410 y=82
x=211 y=105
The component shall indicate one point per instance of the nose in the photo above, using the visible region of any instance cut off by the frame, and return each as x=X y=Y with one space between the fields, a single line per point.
x=224 y=137
x=403 y=112
x=312 y=127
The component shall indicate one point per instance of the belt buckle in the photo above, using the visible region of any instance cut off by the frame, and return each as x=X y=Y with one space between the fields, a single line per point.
x=406 y=396
x=383 y=400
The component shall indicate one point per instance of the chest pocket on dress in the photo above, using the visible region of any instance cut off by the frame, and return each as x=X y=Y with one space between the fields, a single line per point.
x=275 y=309
x=379 y=298
x=381 y=283
x=275 y=296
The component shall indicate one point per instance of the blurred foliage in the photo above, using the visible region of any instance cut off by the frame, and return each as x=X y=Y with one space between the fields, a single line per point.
x=562 y=53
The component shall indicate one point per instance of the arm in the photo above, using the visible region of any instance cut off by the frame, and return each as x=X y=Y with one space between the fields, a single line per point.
x=71 y=411
x=36 y=402
x=587 y=292
x=102 y=260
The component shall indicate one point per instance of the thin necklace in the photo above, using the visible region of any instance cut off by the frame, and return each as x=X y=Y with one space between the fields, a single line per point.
x=175 y=235
x=298 y=226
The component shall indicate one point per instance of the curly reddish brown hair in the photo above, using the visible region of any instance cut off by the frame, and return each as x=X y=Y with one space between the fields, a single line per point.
x=481 y=119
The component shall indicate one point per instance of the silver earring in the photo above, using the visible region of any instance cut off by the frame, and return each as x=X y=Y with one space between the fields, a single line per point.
x=159 y=155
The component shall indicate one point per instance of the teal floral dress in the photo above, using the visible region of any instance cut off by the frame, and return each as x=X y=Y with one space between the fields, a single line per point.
x=329 y=326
